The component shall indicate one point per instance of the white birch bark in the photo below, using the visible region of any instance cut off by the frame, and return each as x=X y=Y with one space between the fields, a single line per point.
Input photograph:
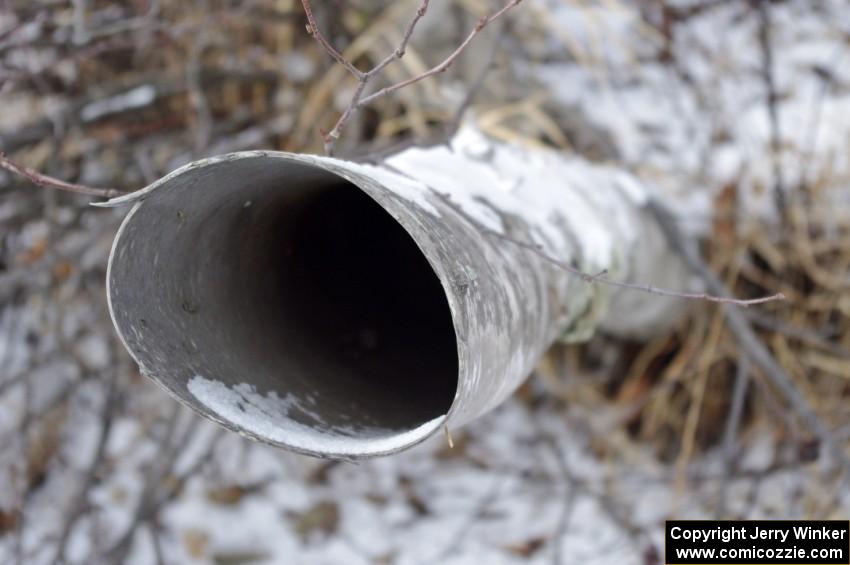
x=474 y=209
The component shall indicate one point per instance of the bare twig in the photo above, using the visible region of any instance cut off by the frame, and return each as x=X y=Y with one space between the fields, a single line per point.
x=577 y=486
x=78 y=508
x=202 y=122
x=746 y=336
x=475 y=86
x=447 y=62
x=363 y=77
x=445 y=136
x=358 y=100
x=314 y=32
x=170 y=446
x=733 y=423
x=156 y=533
x=603 y=278
x=486 y=501
x=49 y=182
x=821 y=340
x=572 y=491
x=772 y=106
x=154 y=494
x=399 y=51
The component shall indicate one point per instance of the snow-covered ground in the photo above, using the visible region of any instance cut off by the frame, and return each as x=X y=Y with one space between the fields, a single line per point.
x=530 y=482
x=533 y=481
x=699 y=120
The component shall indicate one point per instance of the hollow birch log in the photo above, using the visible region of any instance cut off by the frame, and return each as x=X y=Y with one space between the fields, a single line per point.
x=347 y=310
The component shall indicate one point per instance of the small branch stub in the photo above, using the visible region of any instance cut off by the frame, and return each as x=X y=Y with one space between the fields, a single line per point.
x=50 y=182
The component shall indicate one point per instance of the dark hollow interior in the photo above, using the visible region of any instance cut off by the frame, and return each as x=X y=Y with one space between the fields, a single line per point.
x=286 y=279
x=356 y=315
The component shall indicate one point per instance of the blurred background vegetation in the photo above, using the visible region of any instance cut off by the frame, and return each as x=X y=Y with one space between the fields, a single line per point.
x=724 y=104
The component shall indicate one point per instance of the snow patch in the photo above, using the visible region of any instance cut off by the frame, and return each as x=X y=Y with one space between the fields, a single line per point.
x=135 y=98
x=269 y=416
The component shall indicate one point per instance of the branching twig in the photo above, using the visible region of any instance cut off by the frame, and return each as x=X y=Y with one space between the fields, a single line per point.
x=447 y=62
x=445 y=136
x=314 y=32
x=358 y=100
x=50 y=182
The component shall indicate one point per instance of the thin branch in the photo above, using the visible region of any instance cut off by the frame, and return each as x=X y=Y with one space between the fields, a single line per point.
x=747 y=338
x=486 y=501
x=476 y=85
x=156 y=532
x=362 y=77
x=331 y=136
x=603 y=278
x=452 y=126
x=578 y=486
x=824 y=341
x=202 y=122
x=79 y=506
x=314 y=32
x=766 y=47
x=447 y=62
x=43 y=180
x=572 y=491
x=402 y=48
x=537 y=249
x=730 y=431
x=358 y=100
